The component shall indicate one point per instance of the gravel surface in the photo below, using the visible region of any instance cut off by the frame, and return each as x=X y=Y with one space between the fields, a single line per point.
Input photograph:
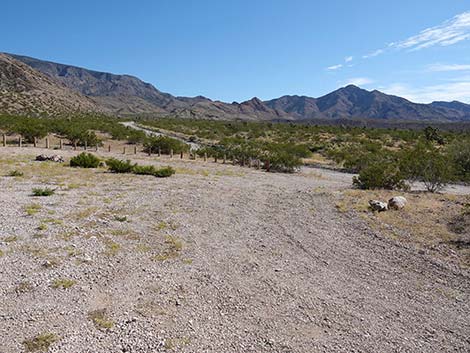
x=214 y=259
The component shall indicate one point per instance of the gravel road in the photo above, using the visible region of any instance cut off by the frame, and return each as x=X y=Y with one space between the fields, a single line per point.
x=214 y=259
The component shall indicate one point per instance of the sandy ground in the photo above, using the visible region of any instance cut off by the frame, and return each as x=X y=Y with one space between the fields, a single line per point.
x=216 y=258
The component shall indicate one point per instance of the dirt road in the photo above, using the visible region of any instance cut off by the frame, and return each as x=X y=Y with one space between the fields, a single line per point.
x=214 y=259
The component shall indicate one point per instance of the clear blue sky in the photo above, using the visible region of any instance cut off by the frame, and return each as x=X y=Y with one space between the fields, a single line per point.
x=234 y=50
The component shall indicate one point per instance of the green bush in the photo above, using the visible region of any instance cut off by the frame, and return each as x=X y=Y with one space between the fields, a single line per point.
x=144 y=169
x=85 y=160
x=15 y=173
x=43 y=192
x=426 y=163
x=119 y=166
x=459 y=153
x=165 y=144
x=164 y=172
x=381 y=174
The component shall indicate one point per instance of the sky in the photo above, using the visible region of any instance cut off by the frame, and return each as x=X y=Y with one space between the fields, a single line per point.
x=235 y=50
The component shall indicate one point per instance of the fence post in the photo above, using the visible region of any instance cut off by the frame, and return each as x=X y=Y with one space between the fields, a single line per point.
x=109 y=148
x=135 y=149
x=150 y=150
x=124 y=150
x=20 y=142
x=96 y=148
x=225 y=158
x=47 y=142
x=75 y=145
x=159 y=152
x=61 y=144
x=267 y=165
x=181 y=155
x=171 y=153
x=4 y=140
x=86 y=145
x=205 y=156
x=35 y=142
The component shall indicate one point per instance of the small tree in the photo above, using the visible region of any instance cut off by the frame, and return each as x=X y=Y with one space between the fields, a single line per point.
x=428 y=164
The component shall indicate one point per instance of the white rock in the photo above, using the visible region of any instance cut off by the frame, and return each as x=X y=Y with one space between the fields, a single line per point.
x=378 y=205
x=397 y=203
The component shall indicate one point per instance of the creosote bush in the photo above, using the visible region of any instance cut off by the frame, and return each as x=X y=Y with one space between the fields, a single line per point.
x=85 y=160
x=119 y=166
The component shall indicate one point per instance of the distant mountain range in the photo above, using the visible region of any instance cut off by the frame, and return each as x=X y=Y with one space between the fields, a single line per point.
x=32 y=86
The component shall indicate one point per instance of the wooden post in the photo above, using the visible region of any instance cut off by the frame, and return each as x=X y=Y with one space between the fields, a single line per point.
x=4 y=140
x=181 y=155
x=159 y=152
x=75 y=145
x=20 y=141
x=47 y=142
x=124 y=150
x=135 y=149
x=35 y=142
x=85 y=146
x=61 y=144
x=205 y=156
x=225 y=158
x=150 y=150
x=109 y=148
x=96 y=148
x=267 y=166
x=171 y=153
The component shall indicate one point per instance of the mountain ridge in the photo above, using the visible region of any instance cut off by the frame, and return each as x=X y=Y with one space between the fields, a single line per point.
x=128 y=95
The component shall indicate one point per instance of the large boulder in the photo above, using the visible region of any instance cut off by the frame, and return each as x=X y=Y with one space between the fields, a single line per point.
x=378 y=206
x=397 y=203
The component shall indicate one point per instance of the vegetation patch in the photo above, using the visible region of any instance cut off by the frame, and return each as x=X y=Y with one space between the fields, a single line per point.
x=40 y=343
x=119 y=166
x=41 y=192
x=85 y=160
x=100 y=319
x=15 y=173
x=32 y=209
x=63 y=283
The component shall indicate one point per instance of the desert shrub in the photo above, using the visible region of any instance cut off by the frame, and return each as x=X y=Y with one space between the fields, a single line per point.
x=119 y=166
x=43 y=192
x=165 y=144
x=144 y=169
x=151 y=170
x=381 y=174
x=30 y=129
x=164 y=172
x=15 y=173
x=459 y=153
x=85 y=160
x=426 y=163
